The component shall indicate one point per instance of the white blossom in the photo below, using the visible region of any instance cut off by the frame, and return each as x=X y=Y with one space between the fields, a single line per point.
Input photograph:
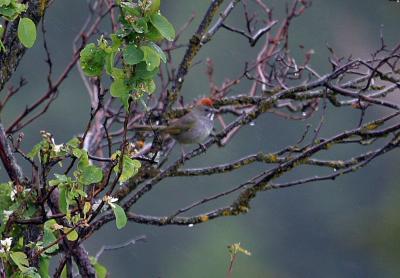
x=110 y=200
x=5 y=244
x=7 y=214
x=57 y=148
x=57 y=227
x=96 y=205
x=13 y=194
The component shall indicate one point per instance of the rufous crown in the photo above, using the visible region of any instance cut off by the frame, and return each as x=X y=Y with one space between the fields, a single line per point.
x=205 y=101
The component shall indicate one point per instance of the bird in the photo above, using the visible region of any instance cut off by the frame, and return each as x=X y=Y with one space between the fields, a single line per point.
x=192 y=128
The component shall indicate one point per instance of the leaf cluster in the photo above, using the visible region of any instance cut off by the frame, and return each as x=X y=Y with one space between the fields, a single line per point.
x=11 y=10
x=130 y=56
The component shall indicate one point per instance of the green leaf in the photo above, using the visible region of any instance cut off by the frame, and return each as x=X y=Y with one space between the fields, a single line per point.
x=120 y=216
x=140 y=26
x=44 y=265
x=154 y=7
x=71 y=236
x=6 y=204
x=83 y=158
x=21 y=260
x=159 y=51
x=60 y=179
x=119 y=89
x=147 y=86
x=11 y=12
x=81 y=193
x=118 y=73
x=48 y=236
x=63 y=200
x=35 y=151
x=151 y=57
x=27 y=32
x=130 y=9
x=109 y=64
x=29 y=211
x=116 y=42
x=86 y=208
x=74 y=143
x=92 y=60
x=54 y=182
x=64 y=272
x=77 y=152
x=129 y=169
x=100 y=269
x=132 y=55
x=5 y=193
x=141 y=71
x=5 y=2
x=90 y=174
x=2 y=47
x=163 y=26
x=31 y=272
x=153 y=34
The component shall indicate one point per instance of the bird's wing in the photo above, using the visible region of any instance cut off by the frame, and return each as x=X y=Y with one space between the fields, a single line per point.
x=148 y=127
x=185 y=124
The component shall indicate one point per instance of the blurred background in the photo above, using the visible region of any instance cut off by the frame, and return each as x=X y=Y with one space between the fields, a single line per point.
x=346 y=228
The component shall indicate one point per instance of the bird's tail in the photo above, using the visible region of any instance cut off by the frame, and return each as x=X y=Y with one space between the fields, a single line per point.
x=155 y=128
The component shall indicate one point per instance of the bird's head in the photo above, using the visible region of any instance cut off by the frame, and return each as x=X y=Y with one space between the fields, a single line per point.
x=205 y=107
x=206 y=101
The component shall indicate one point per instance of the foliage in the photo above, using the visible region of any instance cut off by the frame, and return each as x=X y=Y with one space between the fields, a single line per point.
x=73 y=191
x=27 y=32
x=134 y=43
x=11 y=10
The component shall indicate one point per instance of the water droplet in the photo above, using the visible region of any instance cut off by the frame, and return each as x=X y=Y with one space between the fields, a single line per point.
x=252 y=123
x=180 y=79
x=190 y=225
x=157 y=158
x=304 y=114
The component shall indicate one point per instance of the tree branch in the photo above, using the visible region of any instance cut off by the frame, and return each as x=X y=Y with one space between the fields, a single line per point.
x=7 y=157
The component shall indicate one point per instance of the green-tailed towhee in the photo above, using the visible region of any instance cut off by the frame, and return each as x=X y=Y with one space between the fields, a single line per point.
x=192 y=128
